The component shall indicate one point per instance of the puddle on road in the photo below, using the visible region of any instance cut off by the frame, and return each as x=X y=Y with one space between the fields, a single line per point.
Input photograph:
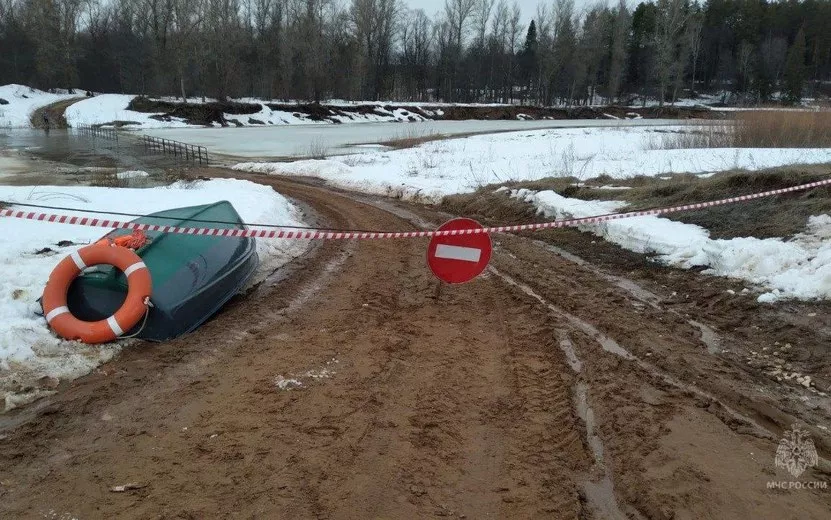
x=585 y=412
x=600 y=493
x=708 y=336
x=571 y=354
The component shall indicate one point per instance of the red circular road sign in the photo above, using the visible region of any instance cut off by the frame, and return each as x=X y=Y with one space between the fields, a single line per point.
x=459 y=258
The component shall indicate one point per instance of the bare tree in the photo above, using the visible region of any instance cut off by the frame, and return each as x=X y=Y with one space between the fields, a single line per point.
x=671 y=19
x=187 y=16
x=544 y=51
x=310 y=49
x=617 y=58
x=514 y=33
x=416 y=45
x=458 y=13
x=565 y=42
x=481 y=14
x=498 y=46
x=694 y=28
x=374 y=22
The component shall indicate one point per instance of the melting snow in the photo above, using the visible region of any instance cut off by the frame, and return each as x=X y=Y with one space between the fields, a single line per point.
x=29 y=252
x=798 y=268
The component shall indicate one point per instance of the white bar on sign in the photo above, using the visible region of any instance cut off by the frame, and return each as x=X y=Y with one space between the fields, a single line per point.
x=468 y=254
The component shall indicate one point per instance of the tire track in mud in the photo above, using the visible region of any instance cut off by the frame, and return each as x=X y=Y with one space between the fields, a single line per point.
x=640 y=405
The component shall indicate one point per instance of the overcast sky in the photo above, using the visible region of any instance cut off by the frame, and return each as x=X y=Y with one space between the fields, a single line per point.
x=528 y=7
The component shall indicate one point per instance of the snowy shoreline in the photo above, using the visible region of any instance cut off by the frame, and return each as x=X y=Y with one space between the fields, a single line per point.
x=432 y=170
x=28 y=252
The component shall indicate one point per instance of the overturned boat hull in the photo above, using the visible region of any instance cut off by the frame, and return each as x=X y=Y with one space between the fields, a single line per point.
x=193 y=276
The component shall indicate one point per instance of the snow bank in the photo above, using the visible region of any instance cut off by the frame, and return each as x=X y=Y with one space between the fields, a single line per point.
x=281 y=117
x=306 y=168
x=439 y=168
x=22 y=101
x=798 y=268
x=28 y=350
x=104 y=109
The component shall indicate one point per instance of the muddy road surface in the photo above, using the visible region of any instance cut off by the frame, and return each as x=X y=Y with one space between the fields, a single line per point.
x=549 y=387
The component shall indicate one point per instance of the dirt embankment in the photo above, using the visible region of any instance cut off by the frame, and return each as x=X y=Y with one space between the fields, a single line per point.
x=194 y=113
x=534 y=113
x=214 y=112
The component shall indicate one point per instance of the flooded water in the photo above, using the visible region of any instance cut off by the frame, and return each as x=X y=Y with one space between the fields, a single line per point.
x=67 y=157
x=56 y=145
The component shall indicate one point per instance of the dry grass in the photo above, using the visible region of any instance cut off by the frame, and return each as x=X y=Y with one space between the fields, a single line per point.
x=490 y=208
x=107 y=180
x=780 y=216
x=411 y=137
x=756 y=129
x=316 y=150
x=769 y=129
x=186 y=175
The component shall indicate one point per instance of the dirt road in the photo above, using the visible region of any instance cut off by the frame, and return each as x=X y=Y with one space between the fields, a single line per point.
x=548 y=388
x=55 y=114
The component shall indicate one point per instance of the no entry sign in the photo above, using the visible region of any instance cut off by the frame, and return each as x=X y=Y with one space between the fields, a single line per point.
x=459 y=258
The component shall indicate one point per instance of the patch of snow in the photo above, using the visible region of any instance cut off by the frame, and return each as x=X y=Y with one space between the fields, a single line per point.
x=297 y=380
x=437 y=168
x=798 y=268
x=28 y=350
x=609 y=187
x=553 y=205
x=105 y=109
x=22 y=101
x=287 y=383
x=132 y=174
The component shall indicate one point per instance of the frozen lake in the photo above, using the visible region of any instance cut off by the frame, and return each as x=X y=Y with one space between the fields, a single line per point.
x=315 y=139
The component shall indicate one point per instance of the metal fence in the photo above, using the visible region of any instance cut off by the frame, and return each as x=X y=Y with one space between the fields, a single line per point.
x=187 y=152
x=97 y=131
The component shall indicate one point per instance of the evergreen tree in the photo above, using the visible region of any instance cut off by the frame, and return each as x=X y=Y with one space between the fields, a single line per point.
x=528 y=56
x=795 y=69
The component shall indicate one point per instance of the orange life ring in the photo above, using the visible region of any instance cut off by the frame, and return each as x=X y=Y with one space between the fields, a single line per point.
x=139 y=285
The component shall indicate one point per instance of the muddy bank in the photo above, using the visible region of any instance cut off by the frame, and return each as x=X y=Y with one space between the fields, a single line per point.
x=217 y=112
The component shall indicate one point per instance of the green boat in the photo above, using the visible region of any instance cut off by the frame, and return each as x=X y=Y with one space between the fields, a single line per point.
x=193 y=276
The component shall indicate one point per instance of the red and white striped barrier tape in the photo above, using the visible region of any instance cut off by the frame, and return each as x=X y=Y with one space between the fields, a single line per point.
x=363 y=235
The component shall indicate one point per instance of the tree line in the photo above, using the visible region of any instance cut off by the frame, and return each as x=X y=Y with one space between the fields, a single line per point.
x=751 y=51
